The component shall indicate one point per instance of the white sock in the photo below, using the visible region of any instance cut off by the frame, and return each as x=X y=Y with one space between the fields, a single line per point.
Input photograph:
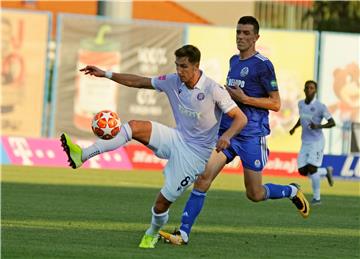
x=293 y=191
x=102 y=145
x=315 y=184
x=184 y=236
x=157 y=222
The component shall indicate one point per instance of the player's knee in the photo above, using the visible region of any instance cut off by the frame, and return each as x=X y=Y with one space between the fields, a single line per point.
x=202 y=184
x=141 y=130
x=134 y=125
x=255 y=195
x=303 y=171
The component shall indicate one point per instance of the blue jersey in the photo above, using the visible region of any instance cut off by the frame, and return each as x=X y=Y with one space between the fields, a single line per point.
x=256 y=77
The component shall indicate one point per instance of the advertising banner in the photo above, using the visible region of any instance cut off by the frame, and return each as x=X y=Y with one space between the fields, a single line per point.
x=48 y=152
x=292 y=67
x=4 y=157
x=24 y=41
x=143 y=158
x=340 y=86
x=128 y=47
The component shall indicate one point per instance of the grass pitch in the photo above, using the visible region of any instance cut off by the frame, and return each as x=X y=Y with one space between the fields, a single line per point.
x=53 y=213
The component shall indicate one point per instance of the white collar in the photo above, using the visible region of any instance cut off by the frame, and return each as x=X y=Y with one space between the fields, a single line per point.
x=200 y=83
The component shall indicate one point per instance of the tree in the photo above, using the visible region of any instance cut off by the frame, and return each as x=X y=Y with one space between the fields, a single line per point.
x=340 y=16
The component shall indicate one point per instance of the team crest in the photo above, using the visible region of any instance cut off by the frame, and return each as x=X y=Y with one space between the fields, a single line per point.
x=257 y=163
x=200 y=96
x=244 y=72
x=163 y=77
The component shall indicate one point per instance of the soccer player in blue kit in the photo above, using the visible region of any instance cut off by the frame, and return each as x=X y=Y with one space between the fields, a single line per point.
x=198 y=103
x=251 y=82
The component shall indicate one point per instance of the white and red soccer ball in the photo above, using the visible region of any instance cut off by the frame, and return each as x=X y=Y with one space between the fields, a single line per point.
x=106 y=124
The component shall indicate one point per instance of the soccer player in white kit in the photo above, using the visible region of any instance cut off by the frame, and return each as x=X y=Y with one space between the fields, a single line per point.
x=197 y=103
x=310 y=157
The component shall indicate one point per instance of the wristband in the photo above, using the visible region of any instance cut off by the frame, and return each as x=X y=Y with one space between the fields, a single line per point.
x=108 y=74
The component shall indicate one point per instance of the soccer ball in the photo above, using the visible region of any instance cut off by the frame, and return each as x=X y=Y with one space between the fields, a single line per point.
x=106 y=124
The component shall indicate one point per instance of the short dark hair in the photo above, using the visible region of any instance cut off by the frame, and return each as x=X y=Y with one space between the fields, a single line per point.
x=311 y=82
x=250 y=20
x=189 y=51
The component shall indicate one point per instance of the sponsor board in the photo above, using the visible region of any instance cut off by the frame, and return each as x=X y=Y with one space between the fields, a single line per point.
x=4 y=157
x=48 y=152
x=344 y=166
x=142 y=157
x=279 y=164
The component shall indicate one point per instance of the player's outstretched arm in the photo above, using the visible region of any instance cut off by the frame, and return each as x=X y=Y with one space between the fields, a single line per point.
x=129 y=80
x=238 y=123
x=295 y=126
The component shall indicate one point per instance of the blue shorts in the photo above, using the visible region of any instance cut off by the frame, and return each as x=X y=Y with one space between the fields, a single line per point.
x=252 y=151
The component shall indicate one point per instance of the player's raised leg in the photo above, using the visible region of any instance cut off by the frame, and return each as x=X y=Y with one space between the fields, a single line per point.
x=138 y=130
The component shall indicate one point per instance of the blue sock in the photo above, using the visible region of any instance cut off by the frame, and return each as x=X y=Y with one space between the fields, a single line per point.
x=276 y=191
x=192 y=210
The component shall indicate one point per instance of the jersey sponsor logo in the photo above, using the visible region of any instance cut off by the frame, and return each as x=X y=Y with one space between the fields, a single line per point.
x=244 y=71
x=189 y=113
x=200 y=96
x=163 y=77
x=305 y=116
x=235 y=82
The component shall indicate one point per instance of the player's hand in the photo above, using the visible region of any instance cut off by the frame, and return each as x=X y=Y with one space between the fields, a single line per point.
x=314 y=126
x=222 y=143
x=93 y=70
x=292 y=131
x=236 y=93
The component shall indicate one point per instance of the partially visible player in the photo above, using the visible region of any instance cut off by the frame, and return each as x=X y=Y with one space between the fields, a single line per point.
x=197 y=103
x=251 y=82
x=310 y=157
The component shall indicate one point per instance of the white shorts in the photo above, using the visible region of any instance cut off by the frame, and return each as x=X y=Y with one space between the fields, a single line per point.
x=183 y=164
x=311 y=153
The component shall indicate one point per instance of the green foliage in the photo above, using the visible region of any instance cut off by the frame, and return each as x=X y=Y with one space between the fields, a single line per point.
x=340 y=16
x=53 y=213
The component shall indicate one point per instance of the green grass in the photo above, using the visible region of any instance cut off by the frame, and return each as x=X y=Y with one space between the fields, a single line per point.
x=62 y=213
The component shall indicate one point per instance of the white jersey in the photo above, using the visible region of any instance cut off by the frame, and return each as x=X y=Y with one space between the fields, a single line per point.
x=314 y=112
x=197 y=111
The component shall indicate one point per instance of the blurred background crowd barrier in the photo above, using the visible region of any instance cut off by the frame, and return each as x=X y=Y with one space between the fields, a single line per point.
x=43 y=93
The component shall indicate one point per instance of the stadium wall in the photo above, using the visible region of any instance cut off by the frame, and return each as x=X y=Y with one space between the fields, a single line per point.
x=48 y=152
x=146 y=47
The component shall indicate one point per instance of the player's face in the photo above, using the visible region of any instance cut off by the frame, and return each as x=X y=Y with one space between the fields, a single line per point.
x=246 y=37
x=310 y=91
x=186 y=70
